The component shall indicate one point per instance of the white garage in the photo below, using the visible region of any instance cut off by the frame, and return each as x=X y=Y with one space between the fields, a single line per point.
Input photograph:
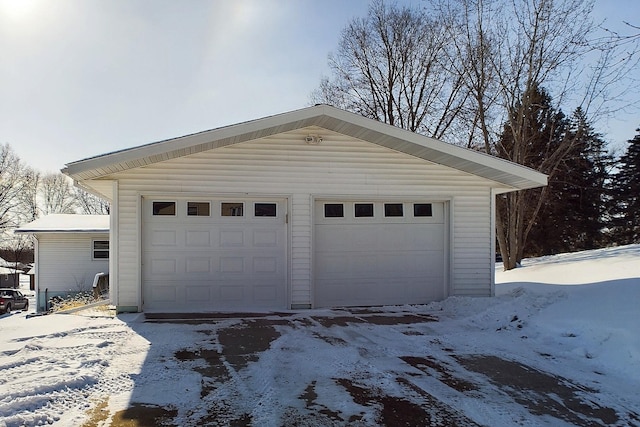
x=316 y=207
x=214 y=254
x=383 y=252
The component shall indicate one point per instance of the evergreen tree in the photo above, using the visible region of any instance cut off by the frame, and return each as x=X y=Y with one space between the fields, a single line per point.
x=626 y=195
x=572 y=217
x=534 y=136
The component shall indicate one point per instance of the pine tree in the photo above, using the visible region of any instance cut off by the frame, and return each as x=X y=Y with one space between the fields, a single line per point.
x=572 y=218
x=626 y=200
x=540 y=130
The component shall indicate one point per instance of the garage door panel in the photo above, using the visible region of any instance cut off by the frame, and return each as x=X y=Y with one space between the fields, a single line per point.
x=196 y=294
x=163 y=266
x=333 y=292
x=426 y=236
x=164 y=293
x=266 y=293
x=362 y=263
x=332 y=265
x=198 y=238
x=197 y=265
x=265 y=238
x=362 y=239
x=232 y=264
x=391 y=264
x=163 y=238
x=232 y=238
x=377 y=260
x=326 y=234
x=428 y=263
x=214 y=262
x=265 y=265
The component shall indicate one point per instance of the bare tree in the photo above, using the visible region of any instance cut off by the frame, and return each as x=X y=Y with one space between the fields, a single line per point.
x=392 y=66
x=11 y=186
x=29 y=210
x=90 y=204
x=56 y=194
x=507 y=51
x=465 y=71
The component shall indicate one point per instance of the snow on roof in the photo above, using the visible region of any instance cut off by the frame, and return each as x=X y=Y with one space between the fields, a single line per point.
x=67 y=223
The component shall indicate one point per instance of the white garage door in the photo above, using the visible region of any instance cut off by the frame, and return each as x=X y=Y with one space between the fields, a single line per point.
x=377 y=253
x=203 y=254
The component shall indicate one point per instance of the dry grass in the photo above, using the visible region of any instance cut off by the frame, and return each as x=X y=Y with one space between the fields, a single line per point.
x=137 y=415
x=98 y=414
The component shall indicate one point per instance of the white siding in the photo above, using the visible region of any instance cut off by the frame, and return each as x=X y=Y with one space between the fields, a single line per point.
x=340 y=166
x=472 y=246
x=65 y=261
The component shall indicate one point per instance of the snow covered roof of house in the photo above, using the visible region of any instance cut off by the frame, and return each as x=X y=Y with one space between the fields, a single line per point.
x=508 y=176
x=67 y=223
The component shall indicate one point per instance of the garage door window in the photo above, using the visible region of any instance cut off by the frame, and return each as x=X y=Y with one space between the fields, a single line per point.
x=363 y=210
x=198 y=208
x=265 y=209
x=232 y=209
x=393 y=210
x=164 y=208
x=422 y=209
x=334 y=210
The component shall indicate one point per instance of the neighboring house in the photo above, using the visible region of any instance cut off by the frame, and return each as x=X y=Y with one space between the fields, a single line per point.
x=317 y=207
x=9 y=277
x=9 y=274
x=69 y=251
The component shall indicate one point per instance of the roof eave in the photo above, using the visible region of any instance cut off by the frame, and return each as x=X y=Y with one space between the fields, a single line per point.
x=58 y=231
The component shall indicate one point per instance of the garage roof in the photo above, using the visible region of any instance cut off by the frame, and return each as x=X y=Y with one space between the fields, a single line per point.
x=67 y=223
x=507 y=175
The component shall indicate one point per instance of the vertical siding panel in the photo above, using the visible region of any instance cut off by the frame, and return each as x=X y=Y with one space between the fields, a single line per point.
x=472 y=246
x=128 y=244
x=301 y=251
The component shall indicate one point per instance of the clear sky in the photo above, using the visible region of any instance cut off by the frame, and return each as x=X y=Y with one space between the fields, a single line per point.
x=85 y=77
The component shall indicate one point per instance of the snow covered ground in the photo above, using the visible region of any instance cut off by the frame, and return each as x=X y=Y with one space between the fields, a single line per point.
x=559 y=345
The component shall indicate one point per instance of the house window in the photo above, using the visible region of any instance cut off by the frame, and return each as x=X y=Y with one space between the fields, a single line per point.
x=363 y=210
x=422 y=209
x=198 y=208
x=100 y=249
x=333 y=210
x=164 y=208
x=265 y=209
x=393 y=209
x=231 y=209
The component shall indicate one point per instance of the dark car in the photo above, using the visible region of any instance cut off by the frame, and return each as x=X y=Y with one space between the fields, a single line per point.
x=11 y=299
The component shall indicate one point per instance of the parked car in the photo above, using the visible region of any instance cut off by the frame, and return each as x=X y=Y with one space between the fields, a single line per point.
x=11 y=299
